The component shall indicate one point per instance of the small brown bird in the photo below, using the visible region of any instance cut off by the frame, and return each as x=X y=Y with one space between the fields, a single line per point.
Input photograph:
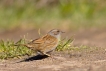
x=46 y=43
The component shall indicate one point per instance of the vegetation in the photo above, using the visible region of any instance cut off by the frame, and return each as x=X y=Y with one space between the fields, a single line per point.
x=8 y=50
x=75 y=13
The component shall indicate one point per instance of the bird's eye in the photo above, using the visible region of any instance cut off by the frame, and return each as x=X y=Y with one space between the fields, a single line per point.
x=58 y=31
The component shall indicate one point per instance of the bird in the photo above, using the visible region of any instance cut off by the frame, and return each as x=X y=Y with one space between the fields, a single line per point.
x=46 y=43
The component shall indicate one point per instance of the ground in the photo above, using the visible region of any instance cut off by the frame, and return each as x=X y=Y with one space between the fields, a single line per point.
x=92 y=59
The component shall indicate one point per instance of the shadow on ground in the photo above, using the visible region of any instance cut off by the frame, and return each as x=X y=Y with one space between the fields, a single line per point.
x=37 y=57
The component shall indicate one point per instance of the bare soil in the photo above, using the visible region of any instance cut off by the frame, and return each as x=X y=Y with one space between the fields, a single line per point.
x=85 y=60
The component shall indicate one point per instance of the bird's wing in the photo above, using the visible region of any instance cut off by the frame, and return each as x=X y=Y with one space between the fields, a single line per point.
x=37 y=41
x=49 y=42
x=43 y=43
x=44 y=40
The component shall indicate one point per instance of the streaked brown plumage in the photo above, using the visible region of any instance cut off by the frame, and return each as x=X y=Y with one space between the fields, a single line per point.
x=46 y=43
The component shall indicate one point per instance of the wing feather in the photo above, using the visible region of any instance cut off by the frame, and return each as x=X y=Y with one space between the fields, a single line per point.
x=43 y=43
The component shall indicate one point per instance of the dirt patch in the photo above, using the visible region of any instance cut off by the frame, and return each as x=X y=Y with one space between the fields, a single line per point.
x=91 y=37
x=61 y=62
x=86 y=60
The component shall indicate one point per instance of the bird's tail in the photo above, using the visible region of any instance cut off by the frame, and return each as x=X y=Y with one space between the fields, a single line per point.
x=26 y=45
x=20 y=45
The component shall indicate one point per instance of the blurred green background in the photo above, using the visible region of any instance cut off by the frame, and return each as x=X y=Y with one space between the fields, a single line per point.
x=65 y=14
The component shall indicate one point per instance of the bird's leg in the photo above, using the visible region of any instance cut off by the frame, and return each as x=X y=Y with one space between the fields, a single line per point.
x=52 y=57
x=43 y=53
x=47 y=54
